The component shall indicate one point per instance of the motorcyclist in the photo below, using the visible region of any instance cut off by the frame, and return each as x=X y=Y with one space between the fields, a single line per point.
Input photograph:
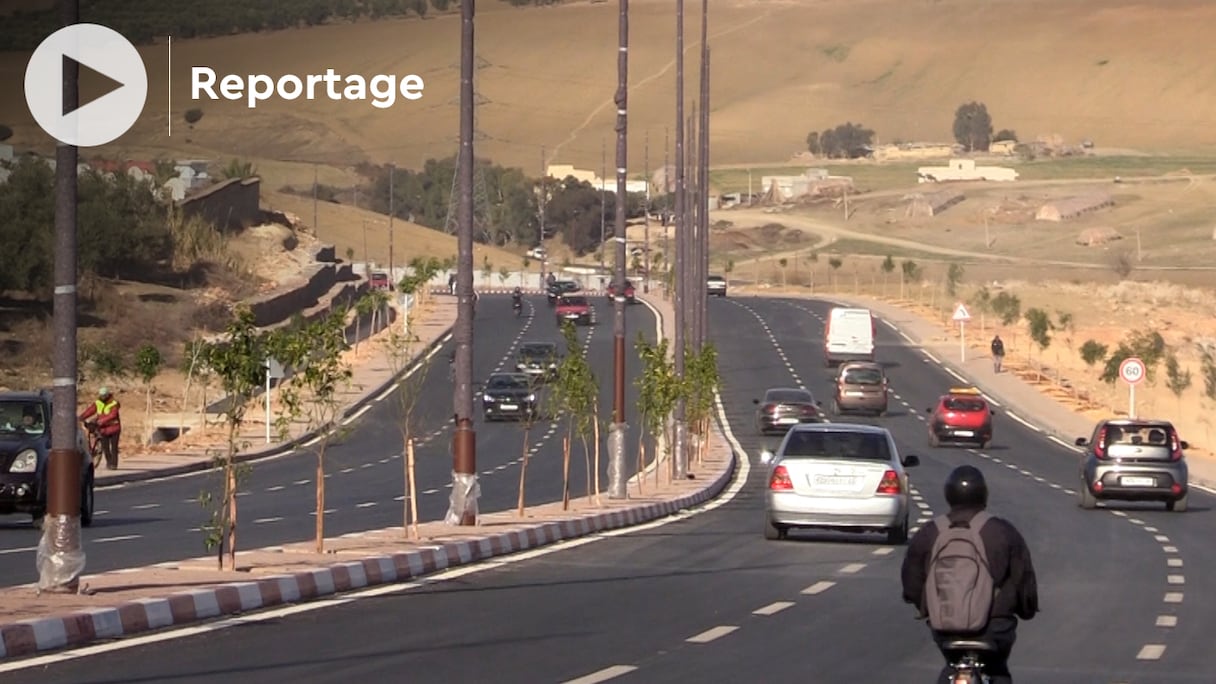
x=517 y=299
x=1008 y=562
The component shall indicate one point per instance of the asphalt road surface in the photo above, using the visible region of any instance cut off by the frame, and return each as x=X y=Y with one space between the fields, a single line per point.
x=706 y=598
x=160 y=521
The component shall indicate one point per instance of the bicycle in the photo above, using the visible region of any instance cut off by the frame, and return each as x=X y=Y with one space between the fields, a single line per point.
x=94 y=443
x=966 y=660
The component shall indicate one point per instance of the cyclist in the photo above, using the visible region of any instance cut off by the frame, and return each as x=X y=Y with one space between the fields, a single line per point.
x=1008 y=560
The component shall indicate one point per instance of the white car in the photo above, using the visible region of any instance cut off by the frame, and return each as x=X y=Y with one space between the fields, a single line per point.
x=715 y=285
x=538 y=253
x=838 y=476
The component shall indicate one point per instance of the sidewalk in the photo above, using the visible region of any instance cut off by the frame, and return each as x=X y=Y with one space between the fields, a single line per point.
x=371 y=375
x=1013 y=395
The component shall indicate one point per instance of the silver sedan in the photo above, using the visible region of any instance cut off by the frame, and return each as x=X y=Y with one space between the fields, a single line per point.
x=837 y=476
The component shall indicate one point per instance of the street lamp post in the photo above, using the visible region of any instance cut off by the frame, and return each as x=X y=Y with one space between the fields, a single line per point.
x=679 y=449
x=617 y=432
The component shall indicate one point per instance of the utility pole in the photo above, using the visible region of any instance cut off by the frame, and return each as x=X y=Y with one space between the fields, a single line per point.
x=316 y=227
x=668 y=257
x=367 y=264
x=60 y=568
x=618 y=431
x=703 y=186
x=679 y=449
x=692 y=208
x=462 y=508
x=646 y=217
x=603 y=196
x=392 y=168
x=544 y=198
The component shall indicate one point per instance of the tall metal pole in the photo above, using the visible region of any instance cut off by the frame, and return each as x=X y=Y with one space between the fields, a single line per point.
x=60 y=558
x=316 y=227
x=703 y=183
x=465 y=490
x=692 y=207
x=646 y=218
x=679 y=449
x=603 y=198
x=668 y=257
x=617 y=432
x=544 y=198
x=391 y=210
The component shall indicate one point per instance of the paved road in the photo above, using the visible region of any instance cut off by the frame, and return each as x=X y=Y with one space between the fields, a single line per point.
x=706 y=598
x=158 y=521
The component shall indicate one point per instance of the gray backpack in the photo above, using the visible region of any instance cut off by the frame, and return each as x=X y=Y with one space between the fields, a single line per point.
x=959 y=588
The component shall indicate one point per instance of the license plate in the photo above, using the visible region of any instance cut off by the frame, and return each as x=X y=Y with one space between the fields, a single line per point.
x=964 y=433
x=787 y=421
x=835 y=482
x=508 y=407
x=1137 y=481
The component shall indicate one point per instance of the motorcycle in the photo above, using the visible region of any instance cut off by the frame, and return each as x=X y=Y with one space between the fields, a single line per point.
x=518 y=306
x=966 y=658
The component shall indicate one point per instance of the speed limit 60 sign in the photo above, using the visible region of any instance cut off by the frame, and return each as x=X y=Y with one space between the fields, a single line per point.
x=1132 y=370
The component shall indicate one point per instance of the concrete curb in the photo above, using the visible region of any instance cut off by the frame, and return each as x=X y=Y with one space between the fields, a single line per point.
x=279 y=449
x=29 y=637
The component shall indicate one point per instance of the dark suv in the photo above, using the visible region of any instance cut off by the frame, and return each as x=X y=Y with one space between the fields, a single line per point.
x=25 y=443
x=1134 y=460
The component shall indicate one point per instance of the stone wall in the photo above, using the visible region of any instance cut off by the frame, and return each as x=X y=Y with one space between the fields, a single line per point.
x=230 y=205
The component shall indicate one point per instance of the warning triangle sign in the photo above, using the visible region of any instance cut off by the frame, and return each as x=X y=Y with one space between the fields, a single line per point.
x=961 y=313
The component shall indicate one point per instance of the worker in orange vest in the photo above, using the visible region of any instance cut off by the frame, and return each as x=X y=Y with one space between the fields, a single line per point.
x=102 y=416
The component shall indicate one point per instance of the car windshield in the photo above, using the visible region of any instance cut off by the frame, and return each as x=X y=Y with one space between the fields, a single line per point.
x=574 y=301
x=863 y=376
x=964 y=405
x=788 y=397
x=1138 y=434
x=507 y=382
x=22 y=417
x=717 y=279
x=867 y=446
x=566 y=285
x=536 y=351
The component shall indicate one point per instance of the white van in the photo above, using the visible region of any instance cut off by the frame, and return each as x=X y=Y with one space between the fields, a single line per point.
x=848 y=335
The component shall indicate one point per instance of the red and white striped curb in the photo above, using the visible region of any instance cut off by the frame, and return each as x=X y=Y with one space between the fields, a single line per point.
x=28 y=637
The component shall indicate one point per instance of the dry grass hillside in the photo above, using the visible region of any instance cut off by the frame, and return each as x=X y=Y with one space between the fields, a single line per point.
x=1125 y=73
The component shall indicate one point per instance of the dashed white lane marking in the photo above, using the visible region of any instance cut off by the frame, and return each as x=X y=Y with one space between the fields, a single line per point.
x=144 y=507
x=274 y=488
x=1173 y=597
x=105 y=512
x=1167 y=620
x=1176 y=579
x=301 y=482
x=818 y=587
x=23 y=549
x=1170 y=549
x=262 y=521
x=1174 y=562
x=1151 y=652
x=603 y=675
x=884 y=551
x=365 y=504
x=711 y=634
x=123 y=537
x=346 y=470
x=327 y=511
x=431 y=491
x=773 y=608
x=852 y=568
x=1161 y=538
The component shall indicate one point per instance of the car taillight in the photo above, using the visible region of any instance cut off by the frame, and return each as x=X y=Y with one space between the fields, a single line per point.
x=770 y=408
x=809 y=411
x=890 y=483
x=1100 y=444
x=1175 y=448
x=780 y=479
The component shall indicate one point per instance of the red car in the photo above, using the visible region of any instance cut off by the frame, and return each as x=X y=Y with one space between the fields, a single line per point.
x=379 y=281
x=573 y=308
x=962 y=415
x=629 y=292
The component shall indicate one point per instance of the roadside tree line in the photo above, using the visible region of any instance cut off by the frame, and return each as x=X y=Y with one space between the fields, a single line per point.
x=972 y=128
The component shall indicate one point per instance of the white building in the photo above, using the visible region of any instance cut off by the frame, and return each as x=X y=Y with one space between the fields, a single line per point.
x=964 y=170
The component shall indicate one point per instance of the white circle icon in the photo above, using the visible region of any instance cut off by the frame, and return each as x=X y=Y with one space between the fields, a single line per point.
x=1131 y=370
x=103 y=55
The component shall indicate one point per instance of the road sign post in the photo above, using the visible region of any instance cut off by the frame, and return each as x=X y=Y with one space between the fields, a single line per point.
x=962 y=316
x=1132 y=371
x=274 y=370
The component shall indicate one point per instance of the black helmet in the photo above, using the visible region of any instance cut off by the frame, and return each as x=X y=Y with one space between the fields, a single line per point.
x=965 y=487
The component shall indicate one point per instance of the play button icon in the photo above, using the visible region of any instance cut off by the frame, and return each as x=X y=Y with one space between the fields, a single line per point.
x=109 y=64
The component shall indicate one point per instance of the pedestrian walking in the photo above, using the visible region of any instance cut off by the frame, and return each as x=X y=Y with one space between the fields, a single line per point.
x=998 y=353
x=452 y=283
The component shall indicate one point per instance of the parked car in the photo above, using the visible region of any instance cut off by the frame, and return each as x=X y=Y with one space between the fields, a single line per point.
x=630 y=292
x=560 y=288
x=861 y=386
x=574 y=308
x=962 y=415
x=1134 y=460
x=715 y=285
x=379 y=281
x=783 y=407
x=538 y=360
x=838 y=476
x=510 y=396
x=25 y=445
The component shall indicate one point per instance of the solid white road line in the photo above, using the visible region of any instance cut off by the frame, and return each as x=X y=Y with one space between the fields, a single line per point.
x=602 y=675
x=711 y=634
x=123 y=537
x=818 y=587
x=773 y=608
x=23 y=549
x=1021 y=420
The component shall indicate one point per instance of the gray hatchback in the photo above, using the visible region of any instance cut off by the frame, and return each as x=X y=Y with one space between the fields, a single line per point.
x=1134 y=460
